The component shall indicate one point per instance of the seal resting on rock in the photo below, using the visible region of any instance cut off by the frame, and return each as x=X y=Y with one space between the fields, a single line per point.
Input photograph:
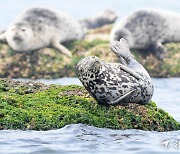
x=41 y=27
x=114 y=83
x=99 y=20
x=148 y=29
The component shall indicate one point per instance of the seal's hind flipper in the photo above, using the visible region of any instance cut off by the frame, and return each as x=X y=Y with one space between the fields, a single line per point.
x=159 y=50
x=130 y=71
x=119 y=100
x=121 y=49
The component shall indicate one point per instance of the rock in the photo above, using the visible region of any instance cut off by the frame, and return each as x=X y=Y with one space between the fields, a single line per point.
x=52 y=107
x=45 y=63
x=49 y=63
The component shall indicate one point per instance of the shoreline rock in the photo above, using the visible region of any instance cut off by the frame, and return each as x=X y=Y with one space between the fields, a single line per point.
x=35 y=106
x=49 y=63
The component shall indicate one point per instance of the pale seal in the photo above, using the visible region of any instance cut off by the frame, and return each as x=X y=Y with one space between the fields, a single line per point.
x=114 y=83
x=41 y=27
x=100 y=19
x=148 y=29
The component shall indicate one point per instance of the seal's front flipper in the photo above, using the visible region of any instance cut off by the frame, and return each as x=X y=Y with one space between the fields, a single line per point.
x=159 y=50
x=122 y=98
x=3 y=37
x=130 y=71
x=61 y=48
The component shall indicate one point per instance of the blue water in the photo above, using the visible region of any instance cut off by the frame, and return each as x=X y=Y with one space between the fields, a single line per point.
x=83 y=139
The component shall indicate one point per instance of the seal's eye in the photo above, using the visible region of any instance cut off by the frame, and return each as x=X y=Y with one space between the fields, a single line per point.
x=96 y=66
x=23 y=30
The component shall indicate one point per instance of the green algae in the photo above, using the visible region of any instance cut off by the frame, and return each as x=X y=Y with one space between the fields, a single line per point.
x=50 y=63
x=44 y=63
x=52 y=107
x=85 y=45
x=168 y=67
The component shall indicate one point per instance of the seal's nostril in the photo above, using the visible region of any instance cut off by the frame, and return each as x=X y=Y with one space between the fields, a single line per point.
x=14 y=38
x=17 y=38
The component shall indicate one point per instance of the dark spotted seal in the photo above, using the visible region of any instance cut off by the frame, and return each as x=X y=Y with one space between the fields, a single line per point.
x=41 y=27
x=113 y=83
x=99 y=20
x=148 y=29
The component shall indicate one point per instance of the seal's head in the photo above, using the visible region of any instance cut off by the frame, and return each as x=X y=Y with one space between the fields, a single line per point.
x=19 y=35
x=88 y=68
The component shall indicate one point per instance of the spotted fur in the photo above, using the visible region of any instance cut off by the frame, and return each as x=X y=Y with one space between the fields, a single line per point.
x=40 y=27
x=108 y=82
x=148 y=29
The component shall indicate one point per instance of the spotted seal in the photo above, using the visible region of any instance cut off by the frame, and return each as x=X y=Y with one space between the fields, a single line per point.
x=148 y=29
x=41 y=27
x=113 y=83
x=99 y=20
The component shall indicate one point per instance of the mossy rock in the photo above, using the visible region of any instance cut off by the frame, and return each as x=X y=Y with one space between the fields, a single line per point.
x=169 y=67
x=39 y=107
x=49 y=63
x=44 y=63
